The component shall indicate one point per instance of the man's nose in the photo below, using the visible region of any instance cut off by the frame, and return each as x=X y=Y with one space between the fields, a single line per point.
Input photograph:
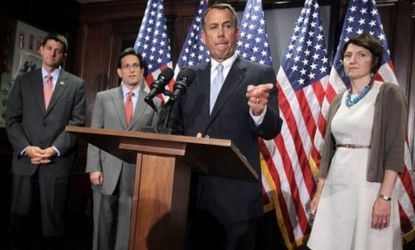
x=221 y=31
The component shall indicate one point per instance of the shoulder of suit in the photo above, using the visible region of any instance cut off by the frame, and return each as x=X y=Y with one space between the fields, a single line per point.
x=108 y=92
x=199 y=67
x=65 y=74
x=249 y=63
x=30 y=75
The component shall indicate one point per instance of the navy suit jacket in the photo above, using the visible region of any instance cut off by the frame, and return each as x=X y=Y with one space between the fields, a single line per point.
x=229 y=200
x=28 y=123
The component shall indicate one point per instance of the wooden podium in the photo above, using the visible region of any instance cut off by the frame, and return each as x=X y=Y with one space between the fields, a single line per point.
x=162 y=180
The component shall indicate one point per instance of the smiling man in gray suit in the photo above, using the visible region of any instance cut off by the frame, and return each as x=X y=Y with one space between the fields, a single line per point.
x=41 y=103
x=112 y=179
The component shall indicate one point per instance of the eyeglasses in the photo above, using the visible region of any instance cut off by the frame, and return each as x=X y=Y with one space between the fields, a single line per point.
x=134 y=66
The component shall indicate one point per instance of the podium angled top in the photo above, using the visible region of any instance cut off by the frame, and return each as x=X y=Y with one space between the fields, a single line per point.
x=205 y=155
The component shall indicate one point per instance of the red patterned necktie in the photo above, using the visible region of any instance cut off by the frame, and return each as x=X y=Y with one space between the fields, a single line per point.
x=47 y=90
x=129 y=108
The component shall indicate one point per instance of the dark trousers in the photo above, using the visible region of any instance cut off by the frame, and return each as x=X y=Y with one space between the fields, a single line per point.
x=37 y=209
x=205 y=232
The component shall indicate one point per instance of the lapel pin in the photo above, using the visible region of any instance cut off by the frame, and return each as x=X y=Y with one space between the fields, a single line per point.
x=62 y=83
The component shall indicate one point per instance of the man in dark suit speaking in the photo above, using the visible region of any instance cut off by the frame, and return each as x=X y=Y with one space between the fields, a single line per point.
x=230 y=98
x=41 y=103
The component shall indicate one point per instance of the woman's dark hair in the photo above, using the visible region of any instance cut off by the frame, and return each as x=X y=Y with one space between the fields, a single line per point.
x=370 y=43
x=131 y=51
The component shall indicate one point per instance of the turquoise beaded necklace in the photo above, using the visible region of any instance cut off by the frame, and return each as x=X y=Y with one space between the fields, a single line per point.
x=352 y=101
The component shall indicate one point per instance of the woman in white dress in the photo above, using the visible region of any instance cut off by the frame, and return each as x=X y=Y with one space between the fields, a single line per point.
x=355 y=205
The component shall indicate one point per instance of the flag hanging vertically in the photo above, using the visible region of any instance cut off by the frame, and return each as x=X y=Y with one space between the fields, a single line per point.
x=253 y=44
x=194 y=51
x=152 y=40
x=362 y=17
x=301 y=80
x=286 y=175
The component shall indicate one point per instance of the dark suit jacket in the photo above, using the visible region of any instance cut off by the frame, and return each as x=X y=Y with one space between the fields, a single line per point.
x=28 y=123
x=227 y=199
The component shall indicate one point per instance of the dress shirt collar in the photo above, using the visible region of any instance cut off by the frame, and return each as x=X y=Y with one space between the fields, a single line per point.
x=55 y=74
x=125 y=90
x=227 y=64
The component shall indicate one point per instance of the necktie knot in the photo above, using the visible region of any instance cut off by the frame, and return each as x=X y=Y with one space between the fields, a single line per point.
x=130 y=94
x=219 y=68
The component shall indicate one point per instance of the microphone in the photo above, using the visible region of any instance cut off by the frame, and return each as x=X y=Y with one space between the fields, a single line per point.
x=184 y=79
x=158 y=86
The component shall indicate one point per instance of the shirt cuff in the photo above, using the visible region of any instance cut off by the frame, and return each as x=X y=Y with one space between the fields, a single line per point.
x=260 y=118
x=23 y=152
x=58 y=153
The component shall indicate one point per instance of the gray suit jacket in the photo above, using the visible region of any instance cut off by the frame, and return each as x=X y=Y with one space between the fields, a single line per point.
x=109 y=114
x=28 y=123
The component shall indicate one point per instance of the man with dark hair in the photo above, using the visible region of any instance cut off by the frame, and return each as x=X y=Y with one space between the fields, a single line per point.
x=112 y=179
x=41 y=103
x=230 y=98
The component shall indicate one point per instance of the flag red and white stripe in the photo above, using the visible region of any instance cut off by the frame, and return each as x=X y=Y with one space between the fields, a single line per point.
x=287 y=177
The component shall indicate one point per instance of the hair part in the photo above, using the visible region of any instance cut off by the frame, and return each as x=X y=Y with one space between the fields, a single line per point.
x=57 y=37
x=132 y=51
x=370 y=43
x=221 y=6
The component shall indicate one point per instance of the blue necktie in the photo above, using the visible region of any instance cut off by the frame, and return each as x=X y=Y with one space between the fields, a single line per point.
x=215 y=86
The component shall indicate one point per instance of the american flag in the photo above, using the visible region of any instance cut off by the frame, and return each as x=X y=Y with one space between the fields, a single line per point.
x=301 y=81
x=194 y=51
x=253 y=45
x=363 y=17
x=152 y=41
x=286 y=175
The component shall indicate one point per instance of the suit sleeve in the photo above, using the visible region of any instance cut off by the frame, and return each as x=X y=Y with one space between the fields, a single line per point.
x=271 y=125
x=65 y=141
x=97 y=121
x=14 y=116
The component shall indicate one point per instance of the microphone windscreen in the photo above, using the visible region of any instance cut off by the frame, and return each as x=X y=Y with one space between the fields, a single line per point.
x=187 y=73
x=167 y=74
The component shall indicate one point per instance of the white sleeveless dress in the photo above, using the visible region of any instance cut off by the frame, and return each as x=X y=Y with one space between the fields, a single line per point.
x=343 y=219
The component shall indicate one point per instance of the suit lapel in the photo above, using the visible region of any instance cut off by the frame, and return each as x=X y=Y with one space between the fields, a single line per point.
x=60 y=86
x=38 y=85
x=118 y=101
x=140 y=107
x=231 y=84
x=203 y=86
